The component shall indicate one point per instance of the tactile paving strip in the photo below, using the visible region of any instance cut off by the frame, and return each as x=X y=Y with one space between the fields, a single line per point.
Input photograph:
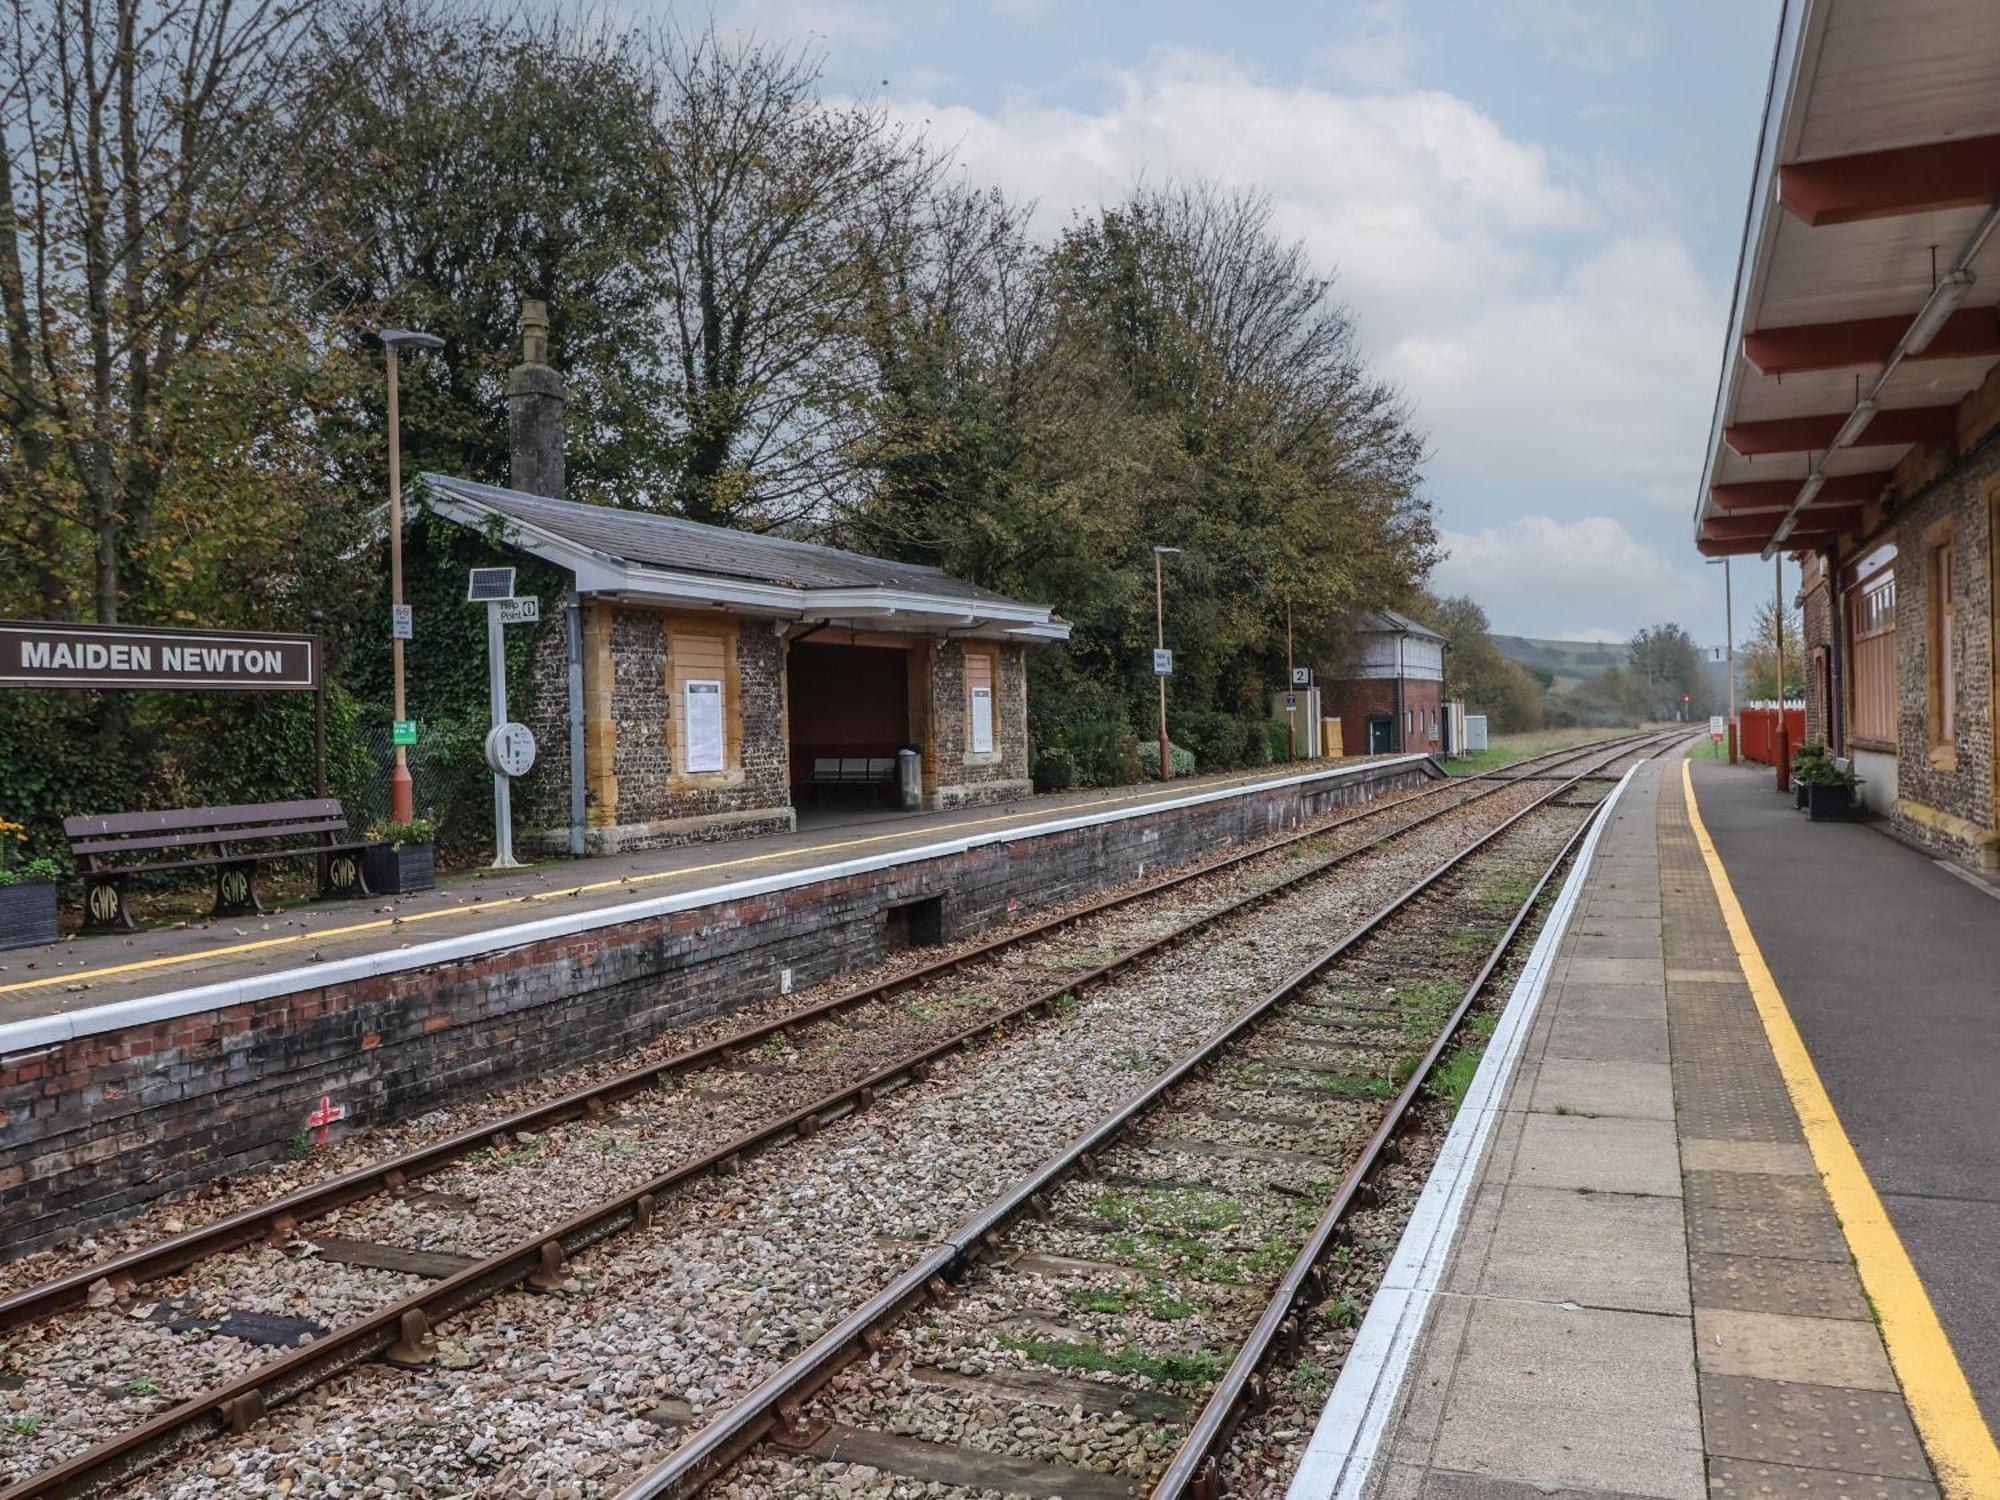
x=1736 y=1479
x=1811 y=1426
x=1763 y=1283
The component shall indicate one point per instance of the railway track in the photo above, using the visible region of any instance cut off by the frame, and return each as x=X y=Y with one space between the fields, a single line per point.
x=772 y=1072
x=1073 y=1338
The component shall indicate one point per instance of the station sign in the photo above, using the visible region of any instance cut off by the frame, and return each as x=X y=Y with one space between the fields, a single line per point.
x=1163 y=663
x=1302 y=677
x=1716 y=731
x=525 y=610
x=402 y=731
x=44 y=654
x=1291 y=702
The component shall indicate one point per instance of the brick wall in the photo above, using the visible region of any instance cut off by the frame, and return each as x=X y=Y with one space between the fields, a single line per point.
x=541 y=798
x=645 y=803
x=1945 y=796
x=954 y=777
x=96 y=1126
x=1357 y=700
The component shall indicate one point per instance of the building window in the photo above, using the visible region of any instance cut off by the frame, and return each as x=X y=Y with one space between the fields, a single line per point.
x=982 y=711
x=1940 y=617
x=1871 y=623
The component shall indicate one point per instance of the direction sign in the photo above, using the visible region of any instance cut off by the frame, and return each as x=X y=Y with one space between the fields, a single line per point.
x=1163 y=663
x=525 y=610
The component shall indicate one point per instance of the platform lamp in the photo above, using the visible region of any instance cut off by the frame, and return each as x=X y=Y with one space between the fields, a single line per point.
x=402 y=795
x=1729 y=629
x=1160 y=642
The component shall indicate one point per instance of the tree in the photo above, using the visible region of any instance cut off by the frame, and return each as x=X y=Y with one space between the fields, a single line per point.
x=147 y=154
x=775 y=202
x=482 y=161
x=1490 y=683
x=1666 y=659
x=1758 y=659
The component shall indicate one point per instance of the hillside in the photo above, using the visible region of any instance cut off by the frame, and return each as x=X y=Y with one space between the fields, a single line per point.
x=1569 y=661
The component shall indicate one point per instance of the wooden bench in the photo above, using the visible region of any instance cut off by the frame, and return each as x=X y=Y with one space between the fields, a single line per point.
x=874 y=772
x=110 y=848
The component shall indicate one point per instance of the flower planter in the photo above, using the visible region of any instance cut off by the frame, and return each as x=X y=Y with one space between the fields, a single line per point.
x=1829 y=804
x=397 y=872
x=27 y=914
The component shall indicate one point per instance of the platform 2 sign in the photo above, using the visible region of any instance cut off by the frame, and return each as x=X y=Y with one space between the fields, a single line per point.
x=43 y=654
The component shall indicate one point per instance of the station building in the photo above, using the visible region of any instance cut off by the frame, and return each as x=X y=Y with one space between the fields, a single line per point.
x=706 y=682
x=1857 y=422
x=1389 y=696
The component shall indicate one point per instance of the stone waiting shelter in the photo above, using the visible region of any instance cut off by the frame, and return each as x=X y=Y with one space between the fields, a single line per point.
x=708 y=674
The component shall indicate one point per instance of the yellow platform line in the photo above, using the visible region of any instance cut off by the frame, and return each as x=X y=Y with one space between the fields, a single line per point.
x=1961 y=1446
x=411 y=919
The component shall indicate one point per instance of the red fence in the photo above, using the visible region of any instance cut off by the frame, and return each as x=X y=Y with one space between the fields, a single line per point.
x=1757 y=727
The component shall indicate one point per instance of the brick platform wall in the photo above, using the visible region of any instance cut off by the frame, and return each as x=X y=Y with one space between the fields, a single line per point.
x=94 y=1127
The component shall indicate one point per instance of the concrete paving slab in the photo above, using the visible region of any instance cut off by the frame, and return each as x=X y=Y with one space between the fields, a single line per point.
x=1612 y=1001
x=1587 y=1398
x=1605 y=1155
x=1617 y=971
x=1774 y=1346
x=1608 y=1250
x=1785 y=1234
x=1632 y=1039
x=1620 y=941
x=1583 y=1086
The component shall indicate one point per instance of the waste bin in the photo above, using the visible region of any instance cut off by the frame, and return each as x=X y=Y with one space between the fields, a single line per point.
x=910 y=777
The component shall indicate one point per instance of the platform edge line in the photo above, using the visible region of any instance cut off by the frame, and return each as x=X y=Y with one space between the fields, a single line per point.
x=1342 y=1452
x=1960 y=1445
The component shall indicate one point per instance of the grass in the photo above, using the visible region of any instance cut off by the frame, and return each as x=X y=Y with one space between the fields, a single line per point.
x=1194 y=1365
x=1504 y=749
x=25 y=1426
x=1453 y=1075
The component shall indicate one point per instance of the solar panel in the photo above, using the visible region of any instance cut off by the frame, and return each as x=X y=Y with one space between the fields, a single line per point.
x=487 y=584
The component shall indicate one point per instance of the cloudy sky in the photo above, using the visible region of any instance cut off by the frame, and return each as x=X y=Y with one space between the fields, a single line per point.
x=1532 y=206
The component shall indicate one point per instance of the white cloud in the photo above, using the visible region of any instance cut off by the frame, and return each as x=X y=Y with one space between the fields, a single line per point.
x=1379 y=53
x=1604 y=377
x=1536 y=567
x=1598 y=38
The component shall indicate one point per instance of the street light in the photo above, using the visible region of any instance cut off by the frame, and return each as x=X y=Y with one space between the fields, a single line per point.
x=1160 y=643
x=402 y=797
x=1729 y=626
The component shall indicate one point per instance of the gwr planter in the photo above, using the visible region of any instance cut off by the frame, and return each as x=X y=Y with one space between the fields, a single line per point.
x=27 y=914
x=399 y=870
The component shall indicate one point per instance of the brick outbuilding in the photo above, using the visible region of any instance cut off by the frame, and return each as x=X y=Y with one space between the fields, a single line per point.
x=1389 y=696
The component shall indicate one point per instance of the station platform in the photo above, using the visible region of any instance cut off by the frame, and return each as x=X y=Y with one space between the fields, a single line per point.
x=1718 y=1216
x=88 y=973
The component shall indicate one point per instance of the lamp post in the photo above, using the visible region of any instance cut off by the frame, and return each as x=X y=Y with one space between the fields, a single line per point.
x=1782 y=739
x=1160 y=643
x=402 y=797
x=1729 y=629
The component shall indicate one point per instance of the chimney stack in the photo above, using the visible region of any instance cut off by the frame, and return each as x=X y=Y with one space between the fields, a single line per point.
x=535 y=410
